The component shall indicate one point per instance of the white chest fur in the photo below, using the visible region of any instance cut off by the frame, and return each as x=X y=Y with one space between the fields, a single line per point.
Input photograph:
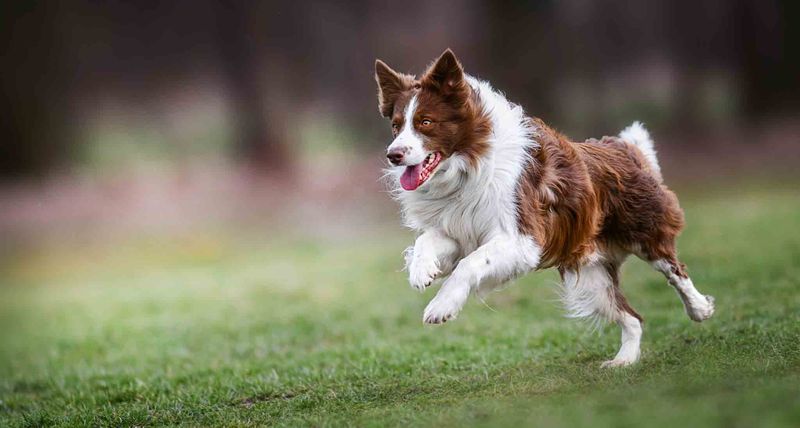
x=472 y=204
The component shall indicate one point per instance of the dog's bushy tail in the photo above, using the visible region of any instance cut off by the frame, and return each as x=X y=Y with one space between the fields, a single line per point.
x=637 y=135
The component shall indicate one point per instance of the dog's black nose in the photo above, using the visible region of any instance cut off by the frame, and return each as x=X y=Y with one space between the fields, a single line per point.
x=396 y=156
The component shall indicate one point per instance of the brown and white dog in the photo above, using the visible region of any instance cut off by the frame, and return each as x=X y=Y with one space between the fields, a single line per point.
x=495 y=194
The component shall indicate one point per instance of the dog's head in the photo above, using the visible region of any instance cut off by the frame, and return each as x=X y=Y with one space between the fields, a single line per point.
x=434 y=119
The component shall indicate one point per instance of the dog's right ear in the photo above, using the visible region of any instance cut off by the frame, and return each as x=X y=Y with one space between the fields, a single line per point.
x=390 y=85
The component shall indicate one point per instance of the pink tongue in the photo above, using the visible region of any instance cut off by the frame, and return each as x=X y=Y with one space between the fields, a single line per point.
x=410 y=178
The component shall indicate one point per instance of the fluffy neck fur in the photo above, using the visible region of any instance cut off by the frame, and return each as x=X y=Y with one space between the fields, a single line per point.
x=471 y=202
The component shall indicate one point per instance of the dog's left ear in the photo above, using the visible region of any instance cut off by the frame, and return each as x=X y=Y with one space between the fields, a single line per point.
x=446 y=74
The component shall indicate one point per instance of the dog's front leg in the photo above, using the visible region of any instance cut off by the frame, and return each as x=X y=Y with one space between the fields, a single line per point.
x=502 y=258
x=432 y=255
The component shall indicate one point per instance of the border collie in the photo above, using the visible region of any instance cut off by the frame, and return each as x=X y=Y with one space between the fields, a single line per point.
x=495 y=194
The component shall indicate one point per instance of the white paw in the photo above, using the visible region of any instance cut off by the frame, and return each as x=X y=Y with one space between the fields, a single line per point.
x=701 y=310
x=617 y=362
x=627 y=355
x=442 y=309
x=422 y=272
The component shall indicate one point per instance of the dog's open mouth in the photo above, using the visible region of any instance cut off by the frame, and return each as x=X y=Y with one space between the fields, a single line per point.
x=415 y=175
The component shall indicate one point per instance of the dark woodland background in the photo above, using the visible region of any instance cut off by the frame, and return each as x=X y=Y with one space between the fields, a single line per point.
x=118 y=116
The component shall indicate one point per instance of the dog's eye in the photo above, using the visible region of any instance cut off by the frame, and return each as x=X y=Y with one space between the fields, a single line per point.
x=426 y=122
x=395 y=127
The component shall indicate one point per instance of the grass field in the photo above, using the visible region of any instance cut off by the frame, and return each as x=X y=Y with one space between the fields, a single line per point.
x=232 y=329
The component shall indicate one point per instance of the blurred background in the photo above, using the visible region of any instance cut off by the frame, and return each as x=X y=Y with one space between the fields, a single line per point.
x=150 y=118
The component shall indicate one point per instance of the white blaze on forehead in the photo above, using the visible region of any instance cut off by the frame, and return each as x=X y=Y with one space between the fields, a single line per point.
x=411 y=109
x=409 y=140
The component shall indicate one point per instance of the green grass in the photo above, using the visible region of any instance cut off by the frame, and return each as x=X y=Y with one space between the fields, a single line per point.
x=225 y=330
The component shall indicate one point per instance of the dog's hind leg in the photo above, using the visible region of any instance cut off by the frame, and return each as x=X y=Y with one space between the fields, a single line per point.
x=592 y=291
x=699 y=307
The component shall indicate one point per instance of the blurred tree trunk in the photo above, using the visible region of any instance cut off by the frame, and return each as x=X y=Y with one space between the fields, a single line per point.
x=258 y=140
x=768 y=56
x=33 y=136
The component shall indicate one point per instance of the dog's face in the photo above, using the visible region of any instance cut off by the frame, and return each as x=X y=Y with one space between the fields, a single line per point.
x=433 y=118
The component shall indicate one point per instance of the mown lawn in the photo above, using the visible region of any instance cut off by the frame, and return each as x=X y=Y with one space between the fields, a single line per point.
x=235 y=329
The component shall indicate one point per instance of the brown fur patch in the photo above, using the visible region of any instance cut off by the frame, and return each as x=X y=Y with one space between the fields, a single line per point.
x=637 y=211
x=557 y=202
x=575 y=198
